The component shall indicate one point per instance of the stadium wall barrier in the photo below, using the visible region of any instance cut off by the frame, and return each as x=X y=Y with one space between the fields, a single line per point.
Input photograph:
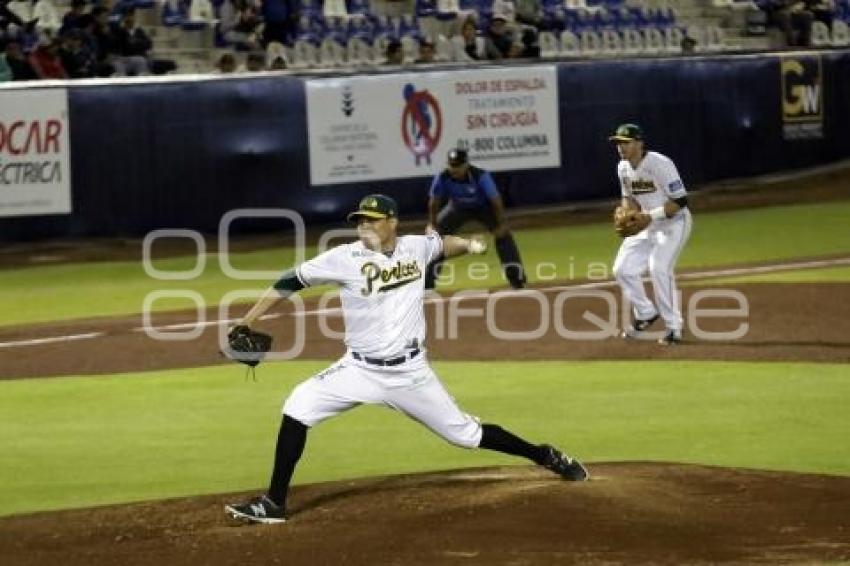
x=181 y=153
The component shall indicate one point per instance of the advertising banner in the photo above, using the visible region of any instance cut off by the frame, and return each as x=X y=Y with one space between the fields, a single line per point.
x=35 y=175
x=400 y=126
x=802 y=97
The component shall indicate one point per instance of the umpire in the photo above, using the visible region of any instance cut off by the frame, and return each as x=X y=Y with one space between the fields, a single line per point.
x=469 y=193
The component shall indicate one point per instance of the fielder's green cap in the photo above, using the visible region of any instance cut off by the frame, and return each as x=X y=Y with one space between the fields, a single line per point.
x=627 y=132
x=375 y=206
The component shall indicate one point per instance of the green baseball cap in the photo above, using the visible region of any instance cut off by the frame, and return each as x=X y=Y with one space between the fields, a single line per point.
x=375 y=206
x=627 y=132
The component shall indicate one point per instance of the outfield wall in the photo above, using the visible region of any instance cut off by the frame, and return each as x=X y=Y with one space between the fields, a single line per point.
x=182 y=152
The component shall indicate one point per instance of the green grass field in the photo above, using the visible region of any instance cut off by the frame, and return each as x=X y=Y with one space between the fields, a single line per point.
x=89 y=440
x=724 y=238
x=93 y=440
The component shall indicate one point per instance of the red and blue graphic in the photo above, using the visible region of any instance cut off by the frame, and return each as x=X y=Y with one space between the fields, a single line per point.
x=421 y=123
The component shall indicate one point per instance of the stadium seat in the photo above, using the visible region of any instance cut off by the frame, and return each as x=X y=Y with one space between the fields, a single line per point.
x=334 y=9
x=359 y=8
x=410 y=47
x=570 y=44
x=653 y=40
x=549 y=47
x=673 y=37
x=611 y=42
x=590 y=42
x=358 y=52
x=714 y=38
x=331 y=53
x=172 y=13
x=840 y=33
x=201 y=11
x=820 y=34
x=379 y=49
x=445 y=51
x=304 y=54
x=632 y=41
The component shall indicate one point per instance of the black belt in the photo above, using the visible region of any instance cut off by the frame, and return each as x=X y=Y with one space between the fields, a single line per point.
x=388 y=362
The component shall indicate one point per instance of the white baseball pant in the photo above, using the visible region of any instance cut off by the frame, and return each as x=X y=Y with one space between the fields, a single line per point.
x=656 y=248
x=411 y=388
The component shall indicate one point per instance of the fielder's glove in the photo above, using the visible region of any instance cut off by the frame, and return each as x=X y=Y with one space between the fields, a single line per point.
x=629 y=221
x=247 y=346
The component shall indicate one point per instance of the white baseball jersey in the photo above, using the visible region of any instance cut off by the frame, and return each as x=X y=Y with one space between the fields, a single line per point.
x=653 y=181
x=381 y=296
x=382 y=303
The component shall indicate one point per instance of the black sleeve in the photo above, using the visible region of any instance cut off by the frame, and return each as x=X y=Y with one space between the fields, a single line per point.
x=681 y=201
x=289 y=282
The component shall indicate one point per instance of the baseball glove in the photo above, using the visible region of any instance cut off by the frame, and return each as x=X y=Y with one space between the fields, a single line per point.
x=629 y=221
x=247 y=346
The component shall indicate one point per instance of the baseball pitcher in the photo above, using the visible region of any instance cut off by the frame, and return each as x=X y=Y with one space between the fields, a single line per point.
x=655 y=223
x=381 y=284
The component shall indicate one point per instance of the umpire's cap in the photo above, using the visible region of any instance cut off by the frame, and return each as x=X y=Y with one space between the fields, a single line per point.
x=376 y=207
x=627 y=132
x=457 y=156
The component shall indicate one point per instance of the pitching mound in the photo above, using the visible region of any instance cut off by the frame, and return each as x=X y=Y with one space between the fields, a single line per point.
x=629 y=513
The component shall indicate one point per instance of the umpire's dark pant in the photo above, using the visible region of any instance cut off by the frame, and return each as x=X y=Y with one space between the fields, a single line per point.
x=450 y=219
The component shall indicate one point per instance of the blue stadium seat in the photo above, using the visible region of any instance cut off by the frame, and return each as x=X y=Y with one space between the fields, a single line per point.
x=361 y=28
x=409 y=27
x=425 y=8
x=173 y=13
x=359 y=8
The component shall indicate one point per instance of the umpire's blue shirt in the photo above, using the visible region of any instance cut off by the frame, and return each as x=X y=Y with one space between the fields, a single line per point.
x=475 y=191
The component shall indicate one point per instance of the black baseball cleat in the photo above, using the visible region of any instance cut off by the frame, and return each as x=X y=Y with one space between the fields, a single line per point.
x=258 y=510
x=566 y=467
x=638 y=326
x=671 y=338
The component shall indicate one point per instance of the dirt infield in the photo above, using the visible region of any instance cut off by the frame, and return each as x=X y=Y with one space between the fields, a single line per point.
x=630 y=513
x=786 y=322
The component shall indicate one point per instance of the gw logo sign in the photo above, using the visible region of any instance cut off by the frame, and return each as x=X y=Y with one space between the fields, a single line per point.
x=802 y=97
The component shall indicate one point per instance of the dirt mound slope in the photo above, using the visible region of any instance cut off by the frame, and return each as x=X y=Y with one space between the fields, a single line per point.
x=628 y=513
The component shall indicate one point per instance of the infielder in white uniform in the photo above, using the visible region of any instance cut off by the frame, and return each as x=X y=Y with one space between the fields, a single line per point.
x=649 y=181
x=380 y=278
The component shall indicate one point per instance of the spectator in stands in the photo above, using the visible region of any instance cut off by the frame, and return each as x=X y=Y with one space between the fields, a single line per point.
x=278 y=21
x=86 y=24
x=240 y=24
x=469 y=46
x=71 y=19
x=6 y=73
x=103 y=38
x=278 y=64
x=226 y=64
x=45 y=60
x=395 y=53
x=689 y=45
x=77 y=60
x=131 y=46
x=500 y=42
x=529 y=12
x=18 y=63
x=795 y=21
x=822 y=10
x=529 y=44
x=427 y=53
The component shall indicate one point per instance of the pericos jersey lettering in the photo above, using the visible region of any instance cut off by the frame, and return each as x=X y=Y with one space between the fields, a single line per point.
x=381 y=280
